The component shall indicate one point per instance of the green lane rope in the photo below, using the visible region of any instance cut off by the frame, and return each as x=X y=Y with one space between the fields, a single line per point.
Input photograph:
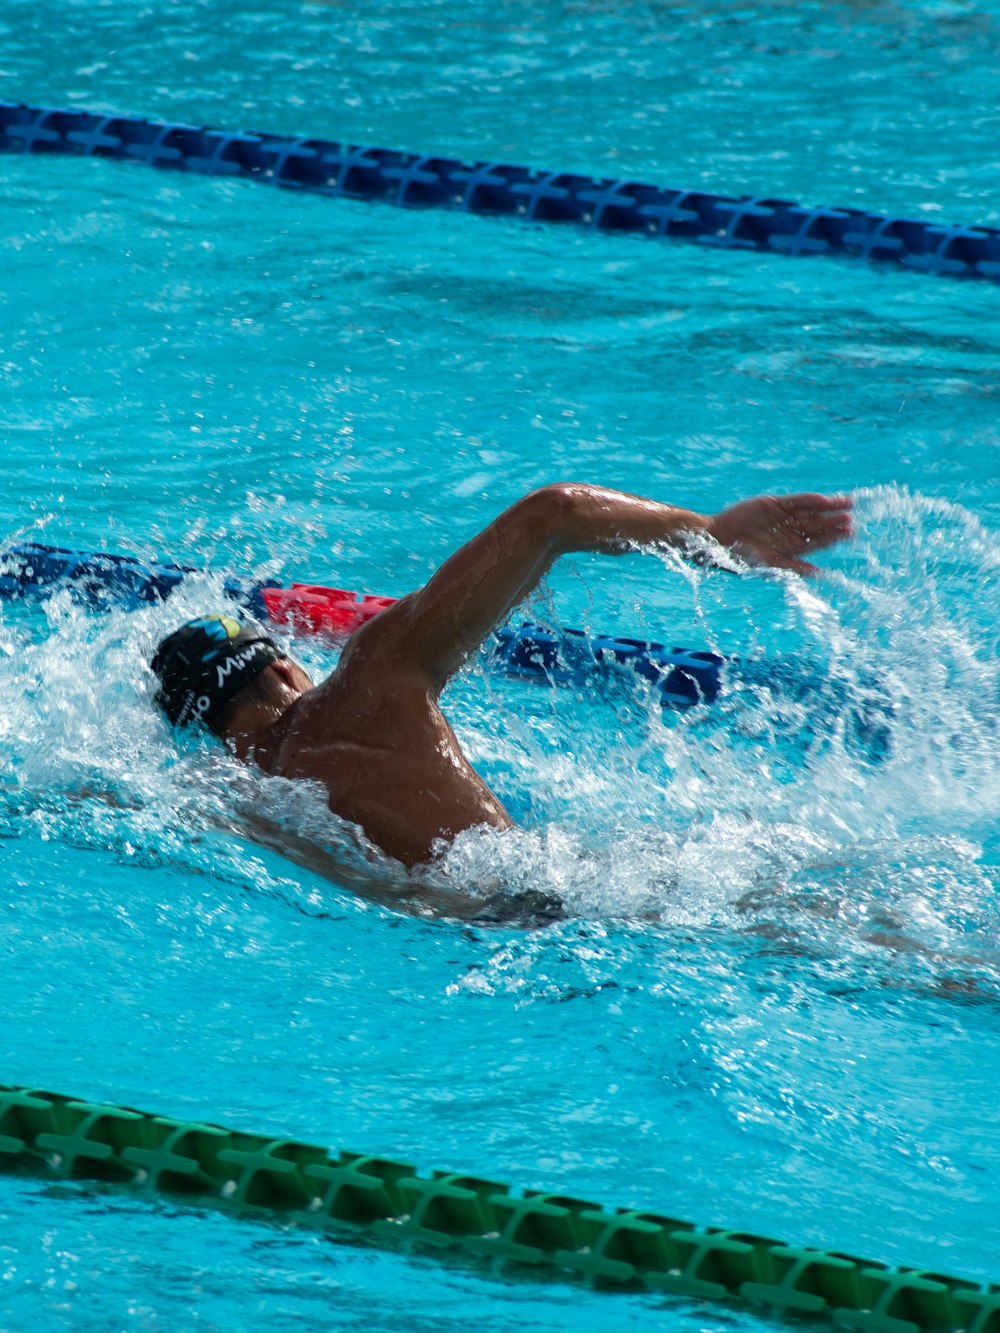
x=624 y=1248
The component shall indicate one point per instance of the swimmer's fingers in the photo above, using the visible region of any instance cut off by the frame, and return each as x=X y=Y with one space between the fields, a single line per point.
x=802 y=567
x=776 y=530
x=816 y=521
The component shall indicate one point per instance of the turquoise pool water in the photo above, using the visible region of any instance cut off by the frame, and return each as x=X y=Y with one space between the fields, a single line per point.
x=774 y=1004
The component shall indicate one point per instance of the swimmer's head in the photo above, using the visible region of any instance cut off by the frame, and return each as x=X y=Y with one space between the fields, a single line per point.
x=206 y=664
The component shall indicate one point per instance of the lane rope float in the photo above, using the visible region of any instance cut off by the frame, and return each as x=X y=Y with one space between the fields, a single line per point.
x=414 y=180
x=620 y=1249
x=682 y=677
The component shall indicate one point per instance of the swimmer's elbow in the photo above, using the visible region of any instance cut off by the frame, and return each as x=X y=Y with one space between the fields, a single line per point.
x=554 y=512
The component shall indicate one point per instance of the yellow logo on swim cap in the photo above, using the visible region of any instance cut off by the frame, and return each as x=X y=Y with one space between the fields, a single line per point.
x=231 y=626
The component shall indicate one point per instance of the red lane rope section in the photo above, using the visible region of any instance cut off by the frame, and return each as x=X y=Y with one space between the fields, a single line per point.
x=312 y=609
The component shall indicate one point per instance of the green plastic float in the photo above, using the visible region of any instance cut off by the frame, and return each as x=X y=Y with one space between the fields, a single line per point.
x=624 y=1249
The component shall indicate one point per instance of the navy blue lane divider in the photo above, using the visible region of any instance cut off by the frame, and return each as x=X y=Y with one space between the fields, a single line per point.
x=681 y=677
x=96 y=579
x=415 y=181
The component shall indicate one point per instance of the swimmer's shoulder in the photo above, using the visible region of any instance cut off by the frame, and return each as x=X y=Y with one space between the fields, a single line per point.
x=369 y=699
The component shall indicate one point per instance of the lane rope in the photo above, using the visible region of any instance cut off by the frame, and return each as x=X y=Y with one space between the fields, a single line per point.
x=414 y=180
x=682 y=677
x=610 y=664
x=257 y=1175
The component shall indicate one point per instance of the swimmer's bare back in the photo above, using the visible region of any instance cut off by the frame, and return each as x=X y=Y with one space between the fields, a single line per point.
x=373 y=733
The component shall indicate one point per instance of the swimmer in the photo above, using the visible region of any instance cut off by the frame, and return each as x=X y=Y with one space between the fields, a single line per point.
x=373 y=733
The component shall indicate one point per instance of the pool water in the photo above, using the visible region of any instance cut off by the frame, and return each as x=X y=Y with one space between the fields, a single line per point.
x=773 y=1004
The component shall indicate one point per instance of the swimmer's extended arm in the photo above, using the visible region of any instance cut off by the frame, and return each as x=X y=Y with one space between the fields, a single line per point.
x=434 y=629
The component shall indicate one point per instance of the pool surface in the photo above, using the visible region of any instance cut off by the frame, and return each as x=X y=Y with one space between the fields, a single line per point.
x=773 y=1005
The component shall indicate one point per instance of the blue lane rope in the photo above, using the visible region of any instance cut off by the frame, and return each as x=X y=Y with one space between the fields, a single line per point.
x=412 y=180
x=681 y=678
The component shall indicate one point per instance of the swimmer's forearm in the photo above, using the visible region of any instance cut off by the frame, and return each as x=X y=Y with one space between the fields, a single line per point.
x=594 y=518
x=769 y=530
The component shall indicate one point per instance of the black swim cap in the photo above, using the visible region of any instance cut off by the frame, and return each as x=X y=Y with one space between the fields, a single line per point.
x=205 y=664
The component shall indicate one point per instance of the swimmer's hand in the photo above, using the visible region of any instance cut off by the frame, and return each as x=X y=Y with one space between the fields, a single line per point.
x=776 y=530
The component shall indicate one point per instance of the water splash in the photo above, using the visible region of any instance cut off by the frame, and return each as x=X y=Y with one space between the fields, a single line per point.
x=763 y=813
x=769 y=808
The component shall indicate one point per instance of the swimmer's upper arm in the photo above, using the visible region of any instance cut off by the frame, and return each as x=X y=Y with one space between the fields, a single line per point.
x=433 y=630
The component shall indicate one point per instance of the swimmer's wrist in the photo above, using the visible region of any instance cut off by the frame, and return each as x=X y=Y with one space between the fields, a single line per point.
x=698 y=537
x=712 y=529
